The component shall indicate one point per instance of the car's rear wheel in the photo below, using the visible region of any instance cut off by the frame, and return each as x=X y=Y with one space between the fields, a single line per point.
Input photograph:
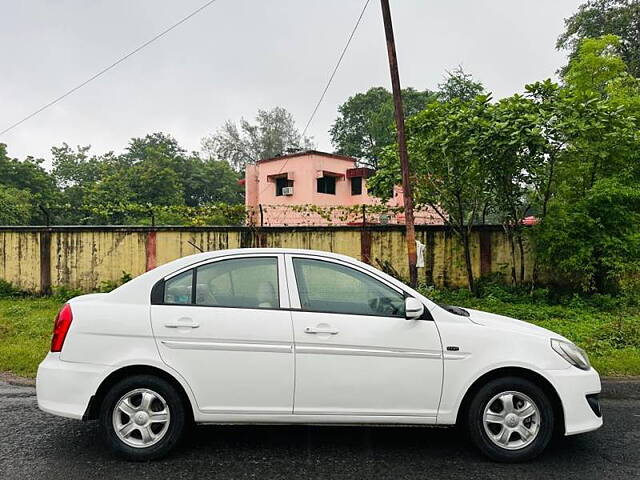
x=142 y=417
x=511 y=419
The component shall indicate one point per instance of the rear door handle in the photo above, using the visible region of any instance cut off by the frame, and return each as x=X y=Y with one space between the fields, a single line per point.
x=329 y=331
x=182 y=324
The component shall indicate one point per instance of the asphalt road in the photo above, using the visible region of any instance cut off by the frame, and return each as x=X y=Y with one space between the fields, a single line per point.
x=36 y=445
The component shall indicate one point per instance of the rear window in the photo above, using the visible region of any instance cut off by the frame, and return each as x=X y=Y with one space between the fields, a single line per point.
x=242 y=282
x=179 y=289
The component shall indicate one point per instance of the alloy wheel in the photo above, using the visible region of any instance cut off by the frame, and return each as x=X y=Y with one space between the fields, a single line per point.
x=511 y=420
x=141 y=418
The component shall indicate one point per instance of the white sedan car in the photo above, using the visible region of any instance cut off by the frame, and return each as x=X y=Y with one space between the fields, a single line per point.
x=282 y=336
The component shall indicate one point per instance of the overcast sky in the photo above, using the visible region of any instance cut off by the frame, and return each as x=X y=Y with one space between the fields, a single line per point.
x=240 y=55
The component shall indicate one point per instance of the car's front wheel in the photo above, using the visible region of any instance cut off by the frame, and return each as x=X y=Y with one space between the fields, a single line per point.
x=142 y=417
x=510 y=419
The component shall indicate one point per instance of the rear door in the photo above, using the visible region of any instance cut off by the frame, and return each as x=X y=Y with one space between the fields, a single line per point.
x=356 y=353
x=226 y=328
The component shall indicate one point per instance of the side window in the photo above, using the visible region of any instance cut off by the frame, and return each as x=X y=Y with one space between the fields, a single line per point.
x=326 y=184
x=356 y=186
x=333 y=288
x=241 y=282
x=281 y=183
x=178 y=290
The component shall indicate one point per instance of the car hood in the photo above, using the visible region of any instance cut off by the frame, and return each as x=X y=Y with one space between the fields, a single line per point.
x=508 y=324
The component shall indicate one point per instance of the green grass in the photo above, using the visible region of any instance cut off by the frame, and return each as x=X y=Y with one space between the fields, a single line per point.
x=25 y=332
x=609 y=329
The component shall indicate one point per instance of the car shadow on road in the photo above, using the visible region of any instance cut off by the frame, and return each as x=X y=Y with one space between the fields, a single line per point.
x=285 y=451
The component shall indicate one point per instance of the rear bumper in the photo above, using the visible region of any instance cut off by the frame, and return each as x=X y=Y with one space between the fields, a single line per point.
x=573 y=385
x=64 y=388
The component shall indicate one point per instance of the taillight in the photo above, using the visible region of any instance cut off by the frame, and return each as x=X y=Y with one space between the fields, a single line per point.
x=61 y=327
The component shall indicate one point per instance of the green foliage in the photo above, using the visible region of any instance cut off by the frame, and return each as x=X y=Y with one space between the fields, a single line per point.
x=460 y=85
x=108 y=285
x=7 y=289
x=593 y=242
x=16 y=207
x=446 y=152
x=366 y=125
x=63 y=293
x=273 y=134
x=603 y=17
x=595 y=63
x=26 y=187
x=154 y=181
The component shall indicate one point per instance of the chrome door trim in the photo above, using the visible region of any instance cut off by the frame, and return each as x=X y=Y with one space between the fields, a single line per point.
x=367 y=352
x=229 y=346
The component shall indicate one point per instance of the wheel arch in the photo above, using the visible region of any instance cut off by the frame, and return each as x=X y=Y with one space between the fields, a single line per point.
x=93 y=408
x=521 y=372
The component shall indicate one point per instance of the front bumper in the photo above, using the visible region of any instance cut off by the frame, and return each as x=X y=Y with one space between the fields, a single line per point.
x=64 y=388
x=573 y=385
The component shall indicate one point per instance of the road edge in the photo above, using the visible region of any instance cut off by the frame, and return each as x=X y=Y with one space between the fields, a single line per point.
x=627 y=388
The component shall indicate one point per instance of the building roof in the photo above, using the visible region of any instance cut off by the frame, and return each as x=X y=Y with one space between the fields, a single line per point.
x=310 y=152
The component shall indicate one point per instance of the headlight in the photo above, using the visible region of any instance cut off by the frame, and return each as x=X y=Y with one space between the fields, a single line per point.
x=571 y=353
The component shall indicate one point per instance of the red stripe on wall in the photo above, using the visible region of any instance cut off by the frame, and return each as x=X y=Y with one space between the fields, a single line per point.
x=150 y=250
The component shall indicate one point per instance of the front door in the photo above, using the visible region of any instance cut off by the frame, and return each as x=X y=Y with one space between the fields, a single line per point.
x=225 y=327
x=356 y=353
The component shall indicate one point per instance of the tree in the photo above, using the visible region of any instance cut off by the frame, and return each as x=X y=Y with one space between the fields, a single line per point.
x=601 y=17
x=154 y=171
x=15 y=206
x=365 y=125
x=210 y=181
x=513 y=146
x=461 y=85
x=155 y=164
x=592 y=243
x=28 y=176
x=594 y=65
x=273 y=134
x=446 y=160
x=592 y=130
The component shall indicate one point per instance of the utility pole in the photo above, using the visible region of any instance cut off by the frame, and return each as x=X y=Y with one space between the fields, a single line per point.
x=402 y=144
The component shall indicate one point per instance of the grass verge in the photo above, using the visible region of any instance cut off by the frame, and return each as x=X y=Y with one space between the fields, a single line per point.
x=25 y=332
x=610 y=332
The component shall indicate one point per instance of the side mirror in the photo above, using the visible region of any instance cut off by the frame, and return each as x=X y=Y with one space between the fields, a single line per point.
x=413 y=308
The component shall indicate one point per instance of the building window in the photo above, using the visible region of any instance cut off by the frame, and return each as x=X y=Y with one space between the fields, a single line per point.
x=327 y=185
x=356 y=186
x=281 y=183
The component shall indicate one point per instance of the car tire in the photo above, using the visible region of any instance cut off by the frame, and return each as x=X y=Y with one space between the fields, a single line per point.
x=510 y=419
x=142 y=418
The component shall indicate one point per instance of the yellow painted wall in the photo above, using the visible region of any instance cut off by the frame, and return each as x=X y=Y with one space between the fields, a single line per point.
x=84 y=258
x=19 y=259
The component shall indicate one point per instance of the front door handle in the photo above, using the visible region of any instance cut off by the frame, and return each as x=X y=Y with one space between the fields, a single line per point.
x=182 y=325
x=329 y=331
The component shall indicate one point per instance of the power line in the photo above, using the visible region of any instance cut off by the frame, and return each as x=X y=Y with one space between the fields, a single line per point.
x=333 y=74
x=106 y=69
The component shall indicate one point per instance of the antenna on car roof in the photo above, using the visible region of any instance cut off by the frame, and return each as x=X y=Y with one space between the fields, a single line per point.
x=195 y=246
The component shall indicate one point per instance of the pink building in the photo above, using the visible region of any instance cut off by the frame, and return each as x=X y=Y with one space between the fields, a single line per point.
x=318 y=188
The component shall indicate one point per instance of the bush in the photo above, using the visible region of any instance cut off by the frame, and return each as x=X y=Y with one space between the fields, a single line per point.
x=109 y=285
x=592 y=244
x=8 y=290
